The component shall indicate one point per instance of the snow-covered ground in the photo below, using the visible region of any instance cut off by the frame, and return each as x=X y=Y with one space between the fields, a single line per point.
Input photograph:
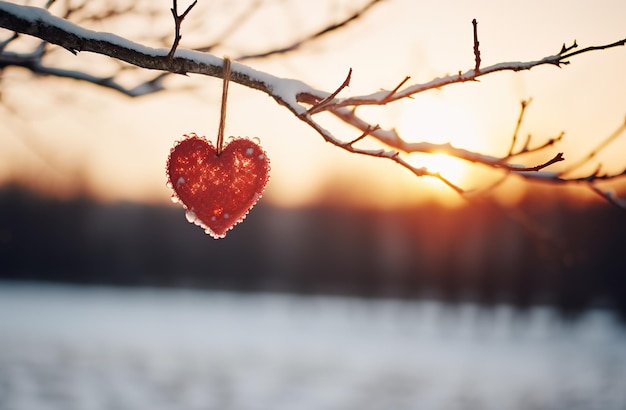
x=106 y=348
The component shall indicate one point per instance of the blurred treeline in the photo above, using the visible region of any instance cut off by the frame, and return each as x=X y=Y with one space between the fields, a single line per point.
x=543 y=251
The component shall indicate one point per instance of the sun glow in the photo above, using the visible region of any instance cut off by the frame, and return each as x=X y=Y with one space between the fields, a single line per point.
x=437 y=120
x=452 y=169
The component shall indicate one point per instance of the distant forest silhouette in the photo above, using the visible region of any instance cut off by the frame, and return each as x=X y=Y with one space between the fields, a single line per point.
x=545 y=251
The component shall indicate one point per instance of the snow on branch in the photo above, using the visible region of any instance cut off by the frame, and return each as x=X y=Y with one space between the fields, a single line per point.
x=303 y=100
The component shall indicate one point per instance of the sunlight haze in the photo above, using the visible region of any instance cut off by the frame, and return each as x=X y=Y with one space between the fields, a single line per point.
x=67 y=136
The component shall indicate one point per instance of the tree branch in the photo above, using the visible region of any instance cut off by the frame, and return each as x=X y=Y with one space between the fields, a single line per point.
x=40 y=23
x=321 y=106
x=327 y=30
x=381 y=97
x=476 y=49
x=35 y=65
x=557 y=158
x=524 y=104
x=614 y=135
x=296 y=95
x=178 y=21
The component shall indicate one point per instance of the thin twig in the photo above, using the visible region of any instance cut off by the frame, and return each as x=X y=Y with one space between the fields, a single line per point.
x=320 y=105
x=608 y=196
x=395 y=90
x=557 y=158
x=469 y=75
x=566 y=54
x=476 y=49
x=565 y=49
x=524 y=104
x=526 y=148
x=8 y=41
x=236 y=23
x=178 y=21
x=323 y=32
x=594 y=176
x=597 y=149
x=365 y=133
x=549 y=142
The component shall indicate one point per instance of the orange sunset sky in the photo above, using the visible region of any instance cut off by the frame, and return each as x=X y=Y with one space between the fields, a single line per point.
x=65 y=136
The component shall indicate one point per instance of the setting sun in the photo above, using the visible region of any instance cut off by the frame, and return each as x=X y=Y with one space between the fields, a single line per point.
x=452 y=169
x=438 y=119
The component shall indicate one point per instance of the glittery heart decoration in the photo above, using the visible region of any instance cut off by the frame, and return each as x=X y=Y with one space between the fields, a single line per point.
x=217 y=189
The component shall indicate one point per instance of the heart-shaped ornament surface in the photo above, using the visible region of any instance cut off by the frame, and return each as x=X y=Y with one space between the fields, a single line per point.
x=217 y=190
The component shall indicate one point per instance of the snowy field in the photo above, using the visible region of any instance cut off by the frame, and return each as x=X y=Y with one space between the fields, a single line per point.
x=105 y=348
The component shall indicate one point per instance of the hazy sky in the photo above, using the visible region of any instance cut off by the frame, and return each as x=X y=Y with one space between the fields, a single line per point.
x=66 y=132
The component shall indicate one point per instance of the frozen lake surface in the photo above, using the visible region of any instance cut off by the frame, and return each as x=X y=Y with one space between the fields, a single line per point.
x=67 y=348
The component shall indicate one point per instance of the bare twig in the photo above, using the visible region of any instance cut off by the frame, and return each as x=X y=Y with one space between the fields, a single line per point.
x=609 y=196
x=395 y=90
x=380 y=98
x=566 y=48
x=526 y=148
x=178 y=21
x=524 y=104
x=8 y=41
x=557 y=158
x=476 y=49
x=614 y=135
x=236 y=22
x=365 y=133
x=36 y=66
x=566 y=54
x=320 y=106
x=323 y=32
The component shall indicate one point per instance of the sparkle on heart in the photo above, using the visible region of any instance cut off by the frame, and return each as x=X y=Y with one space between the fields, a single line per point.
x=218 y=190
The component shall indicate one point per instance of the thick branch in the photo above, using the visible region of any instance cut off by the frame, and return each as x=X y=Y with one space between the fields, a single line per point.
x=40 y=23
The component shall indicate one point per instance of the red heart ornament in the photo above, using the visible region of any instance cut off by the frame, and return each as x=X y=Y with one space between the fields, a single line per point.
x=218 y=190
